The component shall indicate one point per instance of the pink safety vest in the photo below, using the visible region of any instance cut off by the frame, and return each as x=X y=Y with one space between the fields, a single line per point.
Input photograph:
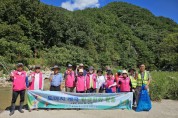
x=19 y=81
x=31 y=86
x=110 y=82
x=70 y=79
x=125 y=85
x=80 y=84
x=88 y=81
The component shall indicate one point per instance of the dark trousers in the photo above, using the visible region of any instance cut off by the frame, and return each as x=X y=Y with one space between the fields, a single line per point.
x=91 y=90
x=80 y=91
x=55 y=88
x=15 y=94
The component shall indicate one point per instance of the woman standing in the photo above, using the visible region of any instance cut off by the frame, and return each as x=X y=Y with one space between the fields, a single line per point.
x=91 y=81
x=36 y=80
x=100 y=81
x=110 y=83
x=80 y=82
x=125 y=82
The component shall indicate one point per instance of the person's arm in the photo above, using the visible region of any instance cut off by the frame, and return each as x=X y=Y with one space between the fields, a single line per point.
x=113 y=85
x=65 y=75
x=85 y=82
x=12 y=76
x=149 y=81
x=76 y=71
x=42 y=86
x=136 y=75
x=51 y=77
x=27 y=82
x=130 y=83
x=61 y=79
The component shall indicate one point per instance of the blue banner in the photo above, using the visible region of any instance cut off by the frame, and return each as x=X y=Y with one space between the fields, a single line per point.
x=65 y=100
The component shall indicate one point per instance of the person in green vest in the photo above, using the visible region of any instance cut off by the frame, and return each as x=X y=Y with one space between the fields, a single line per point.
x=143 y=78
x=134 y=83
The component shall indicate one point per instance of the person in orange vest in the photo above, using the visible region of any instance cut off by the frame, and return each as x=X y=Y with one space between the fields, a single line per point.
x=118 y=76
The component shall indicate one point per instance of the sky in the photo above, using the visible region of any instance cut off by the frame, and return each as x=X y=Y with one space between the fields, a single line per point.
x=166 y=8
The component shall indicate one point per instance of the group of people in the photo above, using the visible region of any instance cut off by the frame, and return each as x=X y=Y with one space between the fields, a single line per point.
x=80 y=81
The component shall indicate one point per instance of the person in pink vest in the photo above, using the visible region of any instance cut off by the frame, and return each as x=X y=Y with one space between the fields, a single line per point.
x=125 y=82
x=36 y=80
x=18 y=77
x=80 y=82
x=69 y=76
x=91 y=81
x=110 y=84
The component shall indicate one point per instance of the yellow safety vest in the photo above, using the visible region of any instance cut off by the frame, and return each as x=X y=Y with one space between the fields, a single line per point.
x=141 y=81
x=133 y=81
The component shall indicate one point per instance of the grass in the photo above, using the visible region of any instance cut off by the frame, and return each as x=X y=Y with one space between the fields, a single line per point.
x=164 y=85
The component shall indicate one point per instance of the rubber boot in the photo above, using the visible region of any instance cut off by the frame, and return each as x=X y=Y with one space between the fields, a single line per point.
x=20 y=108
x=12 y=109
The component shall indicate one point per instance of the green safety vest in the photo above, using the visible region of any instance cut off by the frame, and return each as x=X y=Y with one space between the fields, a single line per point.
x=141 y=81
x=133 y=81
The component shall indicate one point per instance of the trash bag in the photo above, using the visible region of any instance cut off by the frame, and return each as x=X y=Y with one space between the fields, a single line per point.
x=144 y=103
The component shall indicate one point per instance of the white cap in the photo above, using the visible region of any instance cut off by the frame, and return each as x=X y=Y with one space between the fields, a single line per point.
x=124 y=72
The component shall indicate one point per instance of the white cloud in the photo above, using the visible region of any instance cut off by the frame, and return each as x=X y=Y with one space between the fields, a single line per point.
x=79 y=4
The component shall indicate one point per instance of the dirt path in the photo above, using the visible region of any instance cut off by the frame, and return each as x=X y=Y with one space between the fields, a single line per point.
x=164 y=109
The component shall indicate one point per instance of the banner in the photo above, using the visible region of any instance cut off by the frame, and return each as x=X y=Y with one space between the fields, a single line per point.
x=65 y=100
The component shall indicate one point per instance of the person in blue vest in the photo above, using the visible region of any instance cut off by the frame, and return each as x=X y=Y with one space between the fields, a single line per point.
x=56 y=79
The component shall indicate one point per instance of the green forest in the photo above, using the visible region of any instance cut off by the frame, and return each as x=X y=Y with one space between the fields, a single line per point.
x=119 y=34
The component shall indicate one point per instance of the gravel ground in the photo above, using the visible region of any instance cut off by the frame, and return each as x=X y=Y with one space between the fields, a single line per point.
x=164 y=109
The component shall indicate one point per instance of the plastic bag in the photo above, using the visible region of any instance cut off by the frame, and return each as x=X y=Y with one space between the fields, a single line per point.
x=144 y=103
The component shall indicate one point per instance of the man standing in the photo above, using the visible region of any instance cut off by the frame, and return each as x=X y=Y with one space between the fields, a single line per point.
x=18 y=77
x=91 y=80
x=36 y=79
x=55 y=79
x=143 y=78
x=134 y=83
x=69 y=76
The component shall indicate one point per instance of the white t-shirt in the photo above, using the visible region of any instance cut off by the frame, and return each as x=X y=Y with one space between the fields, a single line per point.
x=37 y=81
x=100 y=81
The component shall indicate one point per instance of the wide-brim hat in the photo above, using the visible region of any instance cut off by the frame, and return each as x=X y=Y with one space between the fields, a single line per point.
x=91 y=68
x=37 y=67
x=20 y=65
x=124 y=72
x=55 y=67
x=69 y=65
x=99 y=70
x=81 y=65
